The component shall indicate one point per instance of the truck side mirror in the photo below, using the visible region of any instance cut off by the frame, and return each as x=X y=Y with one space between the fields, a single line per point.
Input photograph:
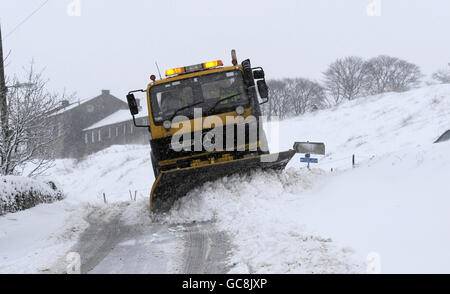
x=132 y=104
x=263 y=90
x=248 y=74
x=258 y=74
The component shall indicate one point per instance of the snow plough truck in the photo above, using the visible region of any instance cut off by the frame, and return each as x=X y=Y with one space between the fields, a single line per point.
x=205 y=123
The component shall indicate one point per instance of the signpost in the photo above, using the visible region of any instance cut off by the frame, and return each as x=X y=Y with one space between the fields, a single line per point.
x=309 y=160
x=309 y=148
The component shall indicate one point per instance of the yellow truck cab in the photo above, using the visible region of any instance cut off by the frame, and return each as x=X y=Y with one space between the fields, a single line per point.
x=204 y=123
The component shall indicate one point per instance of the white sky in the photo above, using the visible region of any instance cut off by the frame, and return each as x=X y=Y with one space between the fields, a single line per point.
x=114 y=44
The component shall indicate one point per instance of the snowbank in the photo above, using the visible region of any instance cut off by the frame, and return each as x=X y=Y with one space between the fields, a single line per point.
x=34 y=240
x=19 y=193
x=114 y=171
x=394 y=203
x=261 y=214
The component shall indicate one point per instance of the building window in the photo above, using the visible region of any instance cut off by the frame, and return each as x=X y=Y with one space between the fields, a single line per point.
x=86 y=139
x=92 y=137
x=99 y=135
x=131 y=128
x=109 y=132
x=117 y=131
x=90 y=108
x=60 y=129
x=124 y=129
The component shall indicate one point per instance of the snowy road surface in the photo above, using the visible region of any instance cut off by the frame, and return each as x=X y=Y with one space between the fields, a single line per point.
x=111 y=245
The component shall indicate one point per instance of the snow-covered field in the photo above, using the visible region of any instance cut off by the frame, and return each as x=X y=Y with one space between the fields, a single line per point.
x=393 y=207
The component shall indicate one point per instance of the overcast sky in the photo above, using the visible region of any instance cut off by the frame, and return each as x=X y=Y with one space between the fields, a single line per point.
x=114 y=44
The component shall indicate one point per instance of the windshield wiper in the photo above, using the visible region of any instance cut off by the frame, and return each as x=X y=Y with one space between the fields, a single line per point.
x=221 y=100
x=184 y=107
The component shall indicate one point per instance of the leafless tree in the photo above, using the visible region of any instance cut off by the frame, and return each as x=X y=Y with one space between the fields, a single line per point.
x=379 y=73
x=305 y=95
x=345 y=78
x=293 y=97
x=442 y=76
x=278 y=99
x=406 y=77
x=28 y=131
x=385 y=74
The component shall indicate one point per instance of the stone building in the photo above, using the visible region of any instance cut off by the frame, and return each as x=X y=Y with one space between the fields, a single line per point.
x=116 y=129
x=72 y=118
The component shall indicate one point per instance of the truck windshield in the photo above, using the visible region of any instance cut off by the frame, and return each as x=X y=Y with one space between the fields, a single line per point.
x=200 y=91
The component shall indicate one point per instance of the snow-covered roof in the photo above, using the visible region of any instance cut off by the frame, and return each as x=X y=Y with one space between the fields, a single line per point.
x=75 y=104
x=117 y=117
x=72 y=105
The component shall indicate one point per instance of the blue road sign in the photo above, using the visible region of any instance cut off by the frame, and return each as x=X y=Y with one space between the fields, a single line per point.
x=308 y=159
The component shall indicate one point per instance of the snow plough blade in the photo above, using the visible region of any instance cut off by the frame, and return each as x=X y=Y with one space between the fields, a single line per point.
x=173 y=184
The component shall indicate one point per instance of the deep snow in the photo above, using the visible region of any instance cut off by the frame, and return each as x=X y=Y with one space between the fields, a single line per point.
x=394 y=203
x=31 y=241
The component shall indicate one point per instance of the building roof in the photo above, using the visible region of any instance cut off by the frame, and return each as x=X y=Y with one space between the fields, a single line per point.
x=117 y=117
x=75 y=104
x=72 y=105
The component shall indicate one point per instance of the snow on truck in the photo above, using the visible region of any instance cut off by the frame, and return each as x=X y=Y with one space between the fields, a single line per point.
x=205 y=123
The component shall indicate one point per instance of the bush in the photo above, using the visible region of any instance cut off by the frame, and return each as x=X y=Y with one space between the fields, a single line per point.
x=20 y=193
x=442 y=76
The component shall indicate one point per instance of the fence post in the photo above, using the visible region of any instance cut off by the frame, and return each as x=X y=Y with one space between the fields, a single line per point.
x=104 y=197
x=135 y=192
x=131 y=197
x=353 y=160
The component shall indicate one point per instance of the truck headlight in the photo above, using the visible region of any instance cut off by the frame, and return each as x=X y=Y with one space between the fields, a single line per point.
x=240 y=110
x=167 y=124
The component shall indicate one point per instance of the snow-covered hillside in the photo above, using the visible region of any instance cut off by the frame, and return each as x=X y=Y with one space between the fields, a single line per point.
x=394 y=203
x=372 y=126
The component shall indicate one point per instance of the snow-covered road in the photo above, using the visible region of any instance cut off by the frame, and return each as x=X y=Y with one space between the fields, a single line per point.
x=113 y=244
x=110 y=246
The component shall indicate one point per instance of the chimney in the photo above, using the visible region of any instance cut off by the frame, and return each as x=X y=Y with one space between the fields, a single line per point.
x=105 y=92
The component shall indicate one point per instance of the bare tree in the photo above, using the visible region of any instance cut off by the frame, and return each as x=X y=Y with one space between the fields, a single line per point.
x=278 y=100
x=442 y=76
x=407 y=76
x=379 y=73
x=385 y=73
x=293 y=97
x=304 y=95
x=345 y=78
x=28 y=131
